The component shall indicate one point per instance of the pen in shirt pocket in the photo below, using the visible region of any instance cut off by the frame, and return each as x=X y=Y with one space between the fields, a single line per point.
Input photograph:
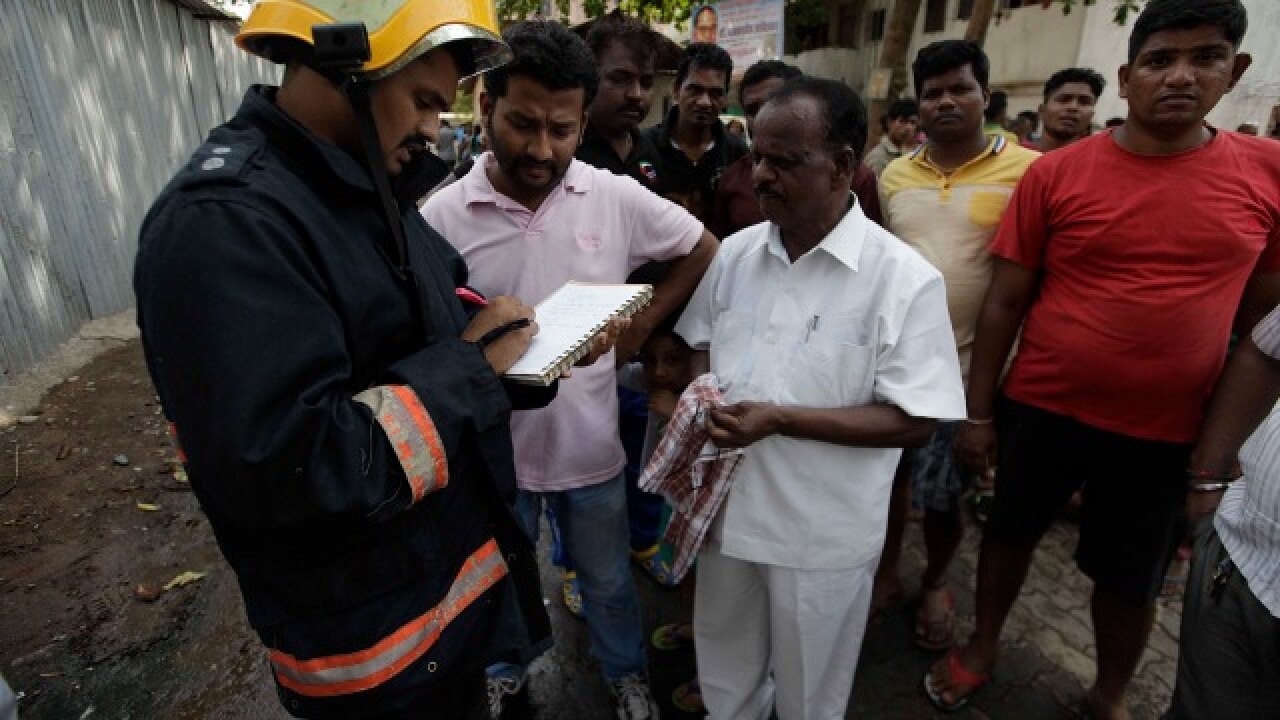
x=813 y=325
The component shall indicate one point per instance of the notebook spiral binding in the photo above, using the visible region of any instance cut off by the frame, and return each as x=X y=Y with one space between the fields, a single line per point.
x=565 y=361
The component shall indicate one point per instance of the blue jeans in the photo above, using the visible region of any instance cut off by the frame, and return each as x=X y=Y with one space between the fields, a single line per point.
x=593 y=526
x=644 y=510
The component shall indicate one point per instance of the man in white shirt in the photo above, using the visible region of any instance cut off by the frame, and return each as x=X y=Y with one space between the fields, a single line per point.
x=832 y=342
x=1229 y=655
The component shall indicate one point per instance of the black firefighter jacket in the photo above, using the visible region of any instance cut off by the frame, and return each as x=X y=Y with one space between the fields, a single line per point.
x=357 y=471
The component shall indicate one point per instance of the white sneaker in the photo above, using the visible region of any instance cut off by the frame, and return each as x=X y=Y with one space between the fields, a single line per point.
x=499 y=689
x=632 y=698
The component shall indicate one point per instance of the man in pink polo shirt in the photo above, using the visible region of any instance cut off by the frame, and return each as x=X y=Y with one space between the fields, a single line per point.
x=527 y=218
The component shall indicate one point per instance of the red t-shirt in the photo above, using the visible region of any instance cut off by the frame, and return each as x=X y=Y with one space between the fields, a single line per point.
x=1143 y=261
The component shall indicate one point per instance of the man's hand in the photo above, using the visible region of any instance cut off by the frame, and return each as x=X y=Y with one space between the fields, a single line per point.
x=503 y=351
x=662 y=402
x=630 y=340
x=605 y=341
x=976 y=445
x=742 y=424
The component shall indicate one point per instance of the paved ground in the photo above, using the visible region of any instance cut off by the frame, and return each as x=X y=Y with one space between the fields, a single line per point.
x=77 y=548
x=1048 y=659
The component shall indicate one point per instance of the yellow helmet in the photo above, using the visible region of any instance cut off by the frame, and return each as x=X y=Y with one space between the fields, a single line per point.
x=400 y=31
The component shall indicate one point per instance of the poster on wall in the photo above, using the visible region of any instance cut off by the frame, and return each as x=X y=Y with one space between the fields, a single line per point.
x=750 y=30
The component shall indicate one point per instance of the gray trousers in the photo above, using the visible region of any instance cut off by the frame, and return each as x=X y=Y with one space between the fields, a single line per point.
x=1229 y=658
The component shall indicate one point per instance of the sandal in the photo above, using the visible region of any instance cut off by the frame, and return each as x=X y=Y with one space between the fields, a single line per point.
x=687 y=698
x=571 y=594
x=967 y=679
x=652 y=562
x=935 y=622
x=672 y=636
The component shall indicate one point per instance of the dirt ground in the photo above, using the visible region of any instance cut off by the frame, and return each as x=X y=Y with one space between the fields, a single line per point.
x=89 y=539
x=95 y=518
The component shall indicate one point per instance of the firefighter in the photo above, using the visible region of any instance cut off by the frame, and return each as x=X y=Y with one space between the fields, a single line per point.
x=333 y=384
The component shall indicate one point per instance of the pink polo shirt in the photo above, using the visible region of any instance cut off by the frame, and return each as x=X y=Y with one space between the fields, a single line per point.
x=594 y=227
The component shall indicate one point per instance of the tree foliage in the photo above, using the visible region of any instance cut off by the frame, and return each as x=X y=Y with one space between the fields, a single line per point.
x=1122 y=8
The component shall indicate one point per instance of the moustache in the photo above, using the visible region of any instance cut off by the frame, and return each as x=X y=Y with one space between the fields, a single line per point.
x=531 y=163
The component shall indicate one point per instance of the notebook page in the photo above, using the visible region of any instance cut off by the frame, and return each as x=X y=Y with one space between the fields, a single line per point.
x=568 y=318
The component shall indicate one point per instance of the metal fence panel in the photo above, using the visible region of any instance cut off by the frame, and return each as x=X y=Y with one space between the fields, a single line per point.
x=100 y=101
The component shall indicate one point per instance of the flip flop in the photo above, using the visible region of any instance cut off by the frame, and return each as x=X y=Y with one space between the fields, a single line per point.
x=572 y=594
x=652 y=562
x=936 y=630
x=668 y=637
x=960 y=674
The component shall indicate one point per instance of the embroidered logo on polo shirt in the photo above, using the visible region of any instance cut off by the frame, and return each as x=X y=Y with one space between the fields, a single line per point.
x=648 y=170
x=588 y=241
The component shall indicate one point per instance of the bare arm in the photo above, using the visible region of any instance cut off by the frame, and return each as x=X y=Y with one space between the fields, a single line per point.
x=1246 y=393
x=877 y=425
x=1012 y=287
x=1008 y=296
x=866 y=426
x=681 y=279
x=1260 y=296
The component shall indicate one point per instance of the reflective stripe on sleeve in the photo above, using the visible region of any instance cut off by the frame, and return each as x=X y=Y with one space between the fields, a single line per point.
x=412 y=434
x=366 y=669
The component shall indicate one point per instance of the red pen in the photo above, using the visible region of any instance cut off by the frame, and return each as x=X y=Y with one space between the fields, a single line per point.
x=466 y=294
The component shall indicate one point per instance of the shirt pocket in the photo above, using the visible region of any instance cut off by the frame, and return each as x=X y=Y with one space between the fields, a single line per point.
x=833 y=365
x=986 y=208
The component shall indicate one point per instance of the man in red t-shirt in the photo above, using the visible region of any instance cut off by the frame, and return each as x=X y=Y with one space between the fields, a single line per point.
x=1124 y=258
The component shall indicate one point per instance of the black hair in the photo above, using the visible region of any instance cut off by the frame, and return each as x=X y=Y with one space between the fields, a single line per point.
x=707 y=56
x=1088 y=76
x=550 y=54
x=996 y=106
x=1161 y=15
x=843 y=113
x=1030 y=116
x=766 y=70
x=902 y=108
x=944 y=56
x=1114 y=122
x=632 y=34
x=667 y=326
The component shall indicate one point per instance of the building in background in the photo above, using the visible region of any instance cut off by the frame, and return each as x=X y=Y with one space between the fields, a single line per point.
x=1027 y=42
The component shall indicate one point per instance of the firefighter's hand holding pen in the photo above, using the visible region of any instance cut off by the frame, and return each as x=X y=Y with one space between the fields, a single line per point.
x=503 y=329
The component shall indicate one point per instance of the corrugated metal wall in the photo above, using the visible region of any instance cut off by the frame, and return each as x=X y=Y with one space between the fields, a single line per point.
x=100 y=101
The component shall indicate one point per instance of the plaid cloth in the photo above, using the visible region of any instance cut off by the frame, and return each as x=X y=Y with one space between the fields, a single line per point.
x=693 y=475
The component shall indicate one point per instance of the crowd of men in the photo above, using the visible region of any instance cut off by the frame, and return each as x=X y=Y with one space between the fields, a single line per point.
x=378 y=486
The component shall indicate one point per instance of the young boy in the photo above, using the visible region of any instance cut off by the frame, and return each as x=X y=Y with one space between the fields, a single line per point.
x=664 y=371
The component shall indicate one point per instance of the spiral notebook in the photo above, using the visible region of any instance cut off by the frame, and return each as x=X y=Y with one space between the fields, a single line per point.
x=567 y=321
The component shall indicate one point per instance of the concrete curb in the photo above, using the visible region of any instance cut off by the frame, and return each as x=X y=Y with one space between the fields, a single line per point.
x=23 y=391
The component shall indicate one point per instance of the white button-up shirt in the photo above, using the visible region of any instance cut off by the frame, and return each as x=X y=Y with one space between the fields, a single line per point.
x=860 y=319
x=1248 y=521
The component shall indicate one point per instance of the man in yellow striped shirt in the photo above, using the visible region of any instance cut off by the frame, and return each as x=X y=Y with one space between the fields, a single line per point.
x=945 y=200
